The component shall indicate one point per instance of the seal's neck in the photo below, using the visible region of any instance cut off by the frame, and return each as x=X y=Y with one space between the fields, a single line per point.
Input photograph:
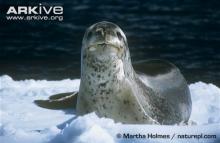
x=105 y=76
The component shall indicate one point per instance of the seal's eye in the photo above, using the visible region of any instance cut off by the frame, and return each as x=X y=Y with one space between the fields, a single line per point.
x=119 y=36
x=89 y=35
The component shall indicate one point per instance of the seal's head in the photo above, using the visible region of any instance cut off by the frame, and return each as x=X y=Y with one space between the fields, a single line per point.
x=104 y=41
x=104 y=33
x=105 y=52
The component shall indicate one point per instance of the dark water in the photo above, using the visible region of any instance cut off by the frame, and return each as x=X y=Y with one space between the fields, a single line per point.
x=185 y=32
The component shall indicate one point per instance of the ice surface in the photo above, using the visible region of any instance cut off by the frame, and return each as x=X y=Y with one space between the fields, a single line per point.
x=23 y=122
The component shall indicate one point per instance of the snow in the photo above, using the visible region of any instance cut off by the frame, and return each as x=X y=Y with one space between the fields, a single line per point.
x=206 y=103
x=23 y=122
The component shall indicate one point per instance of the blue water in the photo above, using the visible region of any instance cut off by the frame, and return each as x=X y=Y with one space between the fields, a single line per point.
x=185 y=32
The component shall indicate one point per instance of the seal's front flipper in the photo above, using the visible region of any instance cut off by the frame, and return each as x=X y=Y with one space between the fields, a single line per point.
x=59 y=101
x=61 y=95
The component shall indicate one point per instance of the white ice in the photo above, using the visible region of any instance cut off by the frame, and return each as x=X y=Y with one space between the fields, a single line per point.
x=21 y=121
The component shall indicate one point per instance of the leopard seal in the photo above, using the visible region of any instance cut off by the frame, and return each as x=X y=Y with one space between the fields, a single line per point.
x=112 y=88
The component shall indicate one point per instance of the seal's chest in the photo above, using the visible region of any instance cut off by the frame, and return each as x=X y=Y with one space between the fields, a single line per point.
x=107 y=88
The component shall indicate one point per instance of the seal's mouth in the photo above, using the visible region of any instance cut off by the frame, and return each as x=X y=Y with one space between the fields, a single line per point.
x=103 y=52
x=104 y=46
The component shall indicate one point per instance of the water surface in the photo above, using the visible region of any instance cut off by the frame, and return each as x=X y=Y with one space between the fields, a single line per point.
x=185 y=32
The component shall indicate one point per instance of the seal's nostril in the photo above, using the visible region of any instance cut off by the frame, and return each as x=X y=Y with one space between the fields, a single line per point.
x=119 y=35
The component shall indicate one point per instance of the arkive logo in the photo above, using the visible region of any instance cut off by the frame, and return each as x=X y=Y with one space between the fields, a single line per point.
x=35 y=10
x=40 y=12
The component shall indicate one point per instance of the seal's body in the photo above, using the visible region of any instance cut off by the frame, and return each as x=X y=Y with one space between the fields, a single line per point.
x=110 y=87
